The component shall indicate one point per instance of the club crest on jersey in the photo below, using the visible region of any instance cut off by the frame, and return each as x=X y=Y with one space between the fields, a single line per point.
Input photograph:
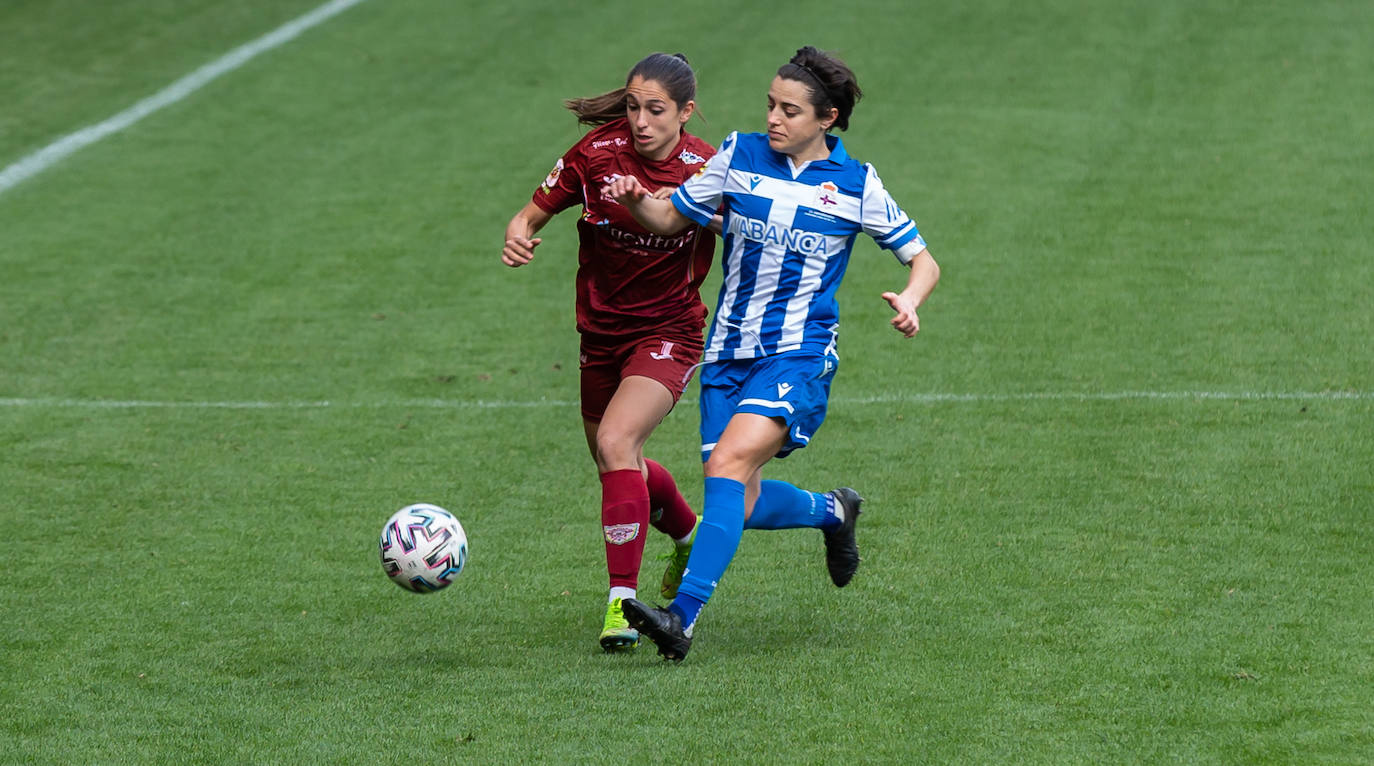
x=552 y=179
x=689 y=158
x=827 y=195
x=619 y=534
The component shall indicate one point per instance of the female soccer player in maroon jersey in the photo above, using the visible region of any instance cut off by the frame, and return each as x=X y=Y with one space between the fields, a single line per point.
x=639 y=311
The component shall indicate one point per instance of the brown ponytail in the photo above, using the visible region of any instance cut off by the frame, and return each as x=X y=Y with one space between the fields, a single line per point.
x=598 y=110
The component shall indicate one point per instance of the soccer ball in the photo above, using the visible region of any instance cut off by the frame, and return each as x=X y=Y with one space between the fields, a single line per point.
x=423 y=548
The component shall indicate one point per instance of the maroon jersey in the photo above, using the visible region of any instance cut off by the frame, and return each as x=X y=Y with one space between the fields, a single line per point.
x=628 y=278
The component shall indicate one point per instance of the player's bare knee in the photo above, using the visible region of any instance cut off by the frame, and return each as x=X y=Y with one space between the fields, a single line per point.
x=617 y=449
x=728 y=464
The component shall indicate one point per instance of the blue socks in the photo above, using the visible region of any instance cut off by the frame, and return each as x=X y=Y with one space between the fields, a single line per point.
x=718 y=535
x=780 y=506
x=783 y=506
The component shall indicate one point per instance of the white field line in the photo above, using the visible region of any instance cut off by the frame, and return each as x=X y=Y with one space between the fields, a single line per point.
x=55 y=152
x=488 y=404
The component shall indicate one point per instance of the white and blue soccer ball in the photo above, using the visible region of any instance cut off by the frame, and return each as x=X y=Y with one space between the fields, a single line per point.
x=423 y=548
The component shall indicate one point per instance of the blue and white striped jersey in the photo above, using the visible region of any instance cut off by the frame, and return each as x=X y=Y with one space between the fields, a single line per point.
x=788 y=235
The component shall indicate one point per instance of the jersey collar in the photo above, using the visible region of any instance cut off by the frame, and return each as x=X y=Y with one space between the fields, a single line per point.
x=837 y=153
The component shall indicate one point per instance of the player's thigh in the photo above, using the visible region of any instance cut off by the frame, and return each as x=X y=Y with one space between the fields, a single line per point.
x=636 y=409
x=749 y=441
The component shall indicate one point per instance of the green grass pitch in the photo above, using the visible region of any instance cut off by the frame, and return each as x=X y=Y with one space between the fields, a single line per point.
x=1120 y=491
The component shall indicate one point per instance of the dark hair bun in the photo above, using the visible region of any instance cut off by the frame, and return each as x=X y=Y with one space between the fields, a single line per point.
x=832 y=83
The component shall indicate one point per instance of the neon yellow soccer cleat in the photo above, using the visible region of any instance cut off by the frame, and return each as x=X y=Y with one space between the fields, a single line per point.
x=616 y=633
x=677 y=564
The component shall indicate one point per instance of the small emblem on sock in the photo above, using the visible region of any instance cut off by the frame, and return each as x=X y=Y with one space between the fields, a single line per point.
x=619 y=534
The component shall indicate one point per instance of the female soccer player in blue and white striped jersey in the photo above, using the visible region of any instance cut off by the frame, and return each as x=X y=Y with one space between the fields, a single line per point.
x=793 y=201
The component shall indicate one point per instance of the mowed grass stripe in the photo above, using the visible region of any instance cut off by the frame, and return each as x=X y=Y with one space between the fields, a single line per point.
x=62 y=148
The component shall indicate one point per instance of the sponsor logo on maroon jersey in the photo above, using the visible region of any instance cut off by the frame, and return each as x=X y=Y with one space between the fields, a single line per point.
x=648 y=241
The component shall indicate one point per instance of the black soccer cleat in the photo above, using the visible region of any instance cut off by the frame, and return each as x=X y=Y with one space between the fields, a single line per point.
x=661 y=626
x=841 y=549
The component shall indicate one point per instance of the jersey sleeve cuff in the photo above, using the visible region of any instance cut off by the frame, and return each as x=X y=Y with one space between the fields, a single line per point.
x=909 y=247
x=691 y=208
x=544 y=203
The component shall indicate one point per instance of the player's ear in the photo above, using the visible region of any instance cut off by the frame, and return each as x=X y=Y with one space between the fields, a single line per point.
x=829 y=119
x=685 y=113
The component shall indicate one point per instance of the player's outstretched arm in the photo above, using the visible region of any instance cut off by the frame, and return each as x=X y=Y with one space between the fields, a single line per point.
x=520 y=239
x=925 y=272
x=717 y=224
x=656 y=215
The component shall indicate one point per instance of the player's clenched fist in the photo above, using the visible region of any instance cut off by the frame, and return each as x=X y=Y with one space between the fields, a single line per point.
x=626 y=190
x=519 y=250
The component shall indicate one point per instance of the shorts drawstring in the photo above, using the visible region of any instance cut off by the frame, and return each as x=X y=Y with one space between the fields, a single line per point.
x=758 y=341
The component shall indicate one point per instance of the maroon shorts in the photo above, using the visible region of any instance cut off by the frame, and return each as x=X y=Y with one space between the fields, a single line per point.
x=665 y=356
